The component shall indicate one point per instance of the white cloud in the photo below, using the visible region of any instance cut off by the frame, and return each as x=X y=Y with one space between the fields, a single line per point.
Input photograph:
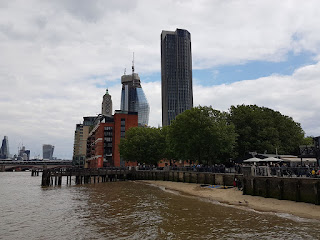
x=295 y=96
x=55 y=54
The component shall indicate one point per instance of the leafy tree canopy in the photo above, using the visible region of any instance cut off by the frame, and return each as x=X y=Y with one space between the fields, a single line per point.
x=307 y=141
x=262 y=129
x=144 y=145
x=169 y=152
x=202 y=134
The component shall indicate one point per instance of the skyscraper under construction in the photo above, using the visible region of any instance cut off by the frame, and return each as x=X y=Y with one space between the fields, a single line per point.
x=133 y=98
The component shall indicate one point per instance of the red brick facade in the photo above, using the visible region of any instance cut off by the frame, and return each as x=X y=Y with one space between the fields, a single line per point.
x=105 y=135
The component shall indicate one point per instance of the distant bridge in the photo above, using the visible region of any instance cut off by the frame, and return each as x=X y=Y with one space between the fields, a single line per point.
x=24 y=165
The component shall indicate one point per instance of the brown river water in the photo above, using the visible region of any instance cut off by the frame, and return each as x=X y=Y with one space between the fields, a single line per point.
x=131 y=210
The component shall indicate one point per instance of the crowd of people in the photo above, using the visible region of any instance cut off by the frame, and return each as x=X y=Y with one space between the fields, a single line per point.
x=283 y=170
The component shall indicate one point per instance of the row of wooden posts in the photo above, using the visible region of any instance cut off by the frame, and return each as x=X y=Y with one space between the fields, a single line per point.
x=81 y=176
x=52 y=177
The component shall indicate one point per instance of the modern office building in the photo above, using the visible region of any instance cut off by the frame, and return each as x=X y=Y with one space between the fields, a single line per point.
x=104 y=138
x=47 y=151
x=106 y=108
x=80 y=141
x=133 y=98
x=176 y=74
x=23 y=154
x=4 y=150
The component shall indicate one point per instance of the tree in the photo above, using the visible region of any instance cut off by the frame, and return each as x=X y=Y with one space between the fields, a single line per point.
x=262 y=129
x=308 y=141
x=202 y=134
x=144 y=145
x=169 y=152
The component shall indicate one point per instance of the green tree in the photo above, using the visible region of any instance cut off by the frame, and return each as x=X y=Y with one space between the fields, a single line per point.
x=202 y=134
x=307 y=141
x=169 y=152
x=144 y=145
x=262 y=129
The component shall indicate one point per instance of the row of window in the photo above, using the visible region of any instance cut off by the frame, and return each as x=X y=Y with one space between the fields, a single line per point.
x=123 y=128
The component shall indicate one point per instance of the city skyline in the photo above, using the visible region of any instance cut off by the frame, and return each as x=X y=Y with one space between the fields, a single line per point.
x=57 y=59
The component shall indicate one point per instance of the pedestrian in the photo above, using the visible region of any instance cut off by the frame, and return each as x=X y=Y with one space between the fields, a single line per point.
x=235 y=182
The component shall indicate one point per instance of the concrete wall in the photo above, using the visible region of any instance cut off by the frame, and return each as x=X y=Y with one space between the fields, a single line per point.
x=295 y=189
x=189 y=177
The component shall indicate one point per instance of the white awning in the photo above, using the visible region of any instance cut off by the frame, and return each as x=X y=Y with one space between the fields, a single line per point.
x=252 y=160
x=271 y=159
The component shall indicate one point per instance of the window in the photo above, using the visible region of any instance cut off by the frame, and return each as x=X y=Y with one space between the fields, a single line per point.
x=123 y=128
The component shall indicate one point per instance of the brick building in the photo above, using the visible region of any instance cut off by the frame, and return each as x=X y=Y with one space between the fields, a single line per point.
x=103 y=139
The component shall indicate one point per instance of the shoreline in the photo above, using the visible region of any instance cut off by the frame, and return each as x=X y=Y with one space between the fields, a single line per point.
x=234 y=197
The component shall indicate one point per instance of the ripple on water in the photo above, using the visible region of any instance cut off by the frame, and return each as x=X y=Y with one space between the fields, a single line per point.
x=126 y=210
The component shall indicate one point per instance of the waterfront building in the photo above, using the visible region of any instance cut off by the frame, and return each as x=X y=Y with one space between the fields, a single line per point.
x=80 y=141
x=106 y=108
x=176 y=74
x=4 y=150
x=104 y=138
x=47 y=151
x=133 y=98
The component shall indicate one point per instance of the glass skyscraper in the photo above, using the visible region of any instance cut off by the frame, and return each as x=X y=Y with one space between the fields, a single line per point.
x=47 y=151
x=4 y=150
x=176 y=74
x=133 y=98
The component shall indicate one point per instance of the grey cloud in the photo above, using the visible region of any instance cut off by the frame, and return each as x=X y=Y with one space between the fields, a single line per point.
x=94 y=10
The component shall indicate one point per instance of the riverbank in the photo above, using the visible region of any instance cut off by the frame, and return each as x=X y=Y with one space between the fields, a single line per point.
x=233 y=196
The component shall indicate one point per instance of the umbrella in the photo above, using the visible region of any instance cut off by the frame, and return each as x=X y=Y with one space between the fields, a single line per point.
x=252 y=160
x=271 y=159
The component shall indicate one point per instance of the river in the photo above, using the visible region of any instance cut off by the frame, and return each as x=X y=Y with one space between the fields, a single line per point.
x=130 y=210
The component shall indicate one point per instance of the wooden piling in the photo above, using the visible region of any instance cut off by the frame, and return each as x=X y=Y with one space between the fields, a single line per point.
x=317 y=193
x=59 y=180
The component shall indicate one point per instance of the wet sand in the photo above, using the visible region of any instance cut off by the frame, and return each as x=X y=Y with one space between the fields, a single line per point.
x=233 y=196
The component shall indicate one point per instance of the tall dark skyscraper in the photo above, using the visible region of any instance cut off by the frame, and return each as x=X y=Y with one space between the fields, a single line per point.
x=176 y=74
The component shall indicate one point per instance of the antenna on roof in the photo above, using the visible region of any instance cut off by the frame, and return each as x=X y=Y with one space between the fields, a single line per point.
x=125 y=71
x=133 y=63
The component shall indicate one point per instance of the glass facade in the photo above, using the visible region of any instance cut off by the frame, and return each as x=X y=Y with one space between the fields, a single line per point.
x=47 y=151
x=133 y=98
x=176 y=74
x=4 y=150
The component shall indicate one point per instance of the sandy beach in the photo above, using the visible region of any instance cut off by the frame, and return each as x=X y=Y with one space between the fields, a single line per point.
x=233 y=196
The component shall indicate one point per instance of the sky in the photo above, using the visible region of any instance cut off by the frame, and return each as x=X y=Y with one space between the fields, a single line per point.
x=58 y=57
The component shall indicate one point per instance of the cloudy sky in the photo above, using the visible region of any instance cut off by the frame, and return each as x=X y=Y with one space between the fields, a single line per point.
x=58 y=57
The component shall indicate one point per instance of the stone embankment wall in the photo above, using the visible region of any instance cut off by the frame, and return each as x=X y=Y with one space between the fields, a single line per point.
x=189 y=177
x=295 y=189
